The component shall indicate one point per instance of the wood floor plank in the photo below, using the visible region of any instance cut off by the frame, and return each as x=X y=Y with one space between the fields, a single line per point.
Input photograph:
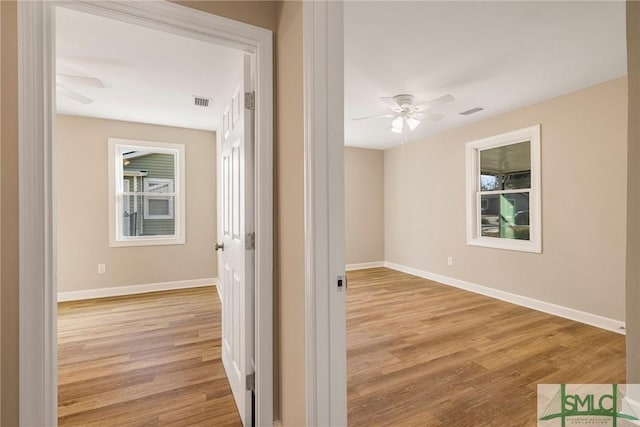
x=425 y=354
x=143 y=360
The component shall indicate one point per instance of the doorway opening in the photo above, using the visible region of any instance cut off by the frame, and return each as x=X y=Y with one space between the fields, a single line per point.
x=130 y=110
x=144 y=103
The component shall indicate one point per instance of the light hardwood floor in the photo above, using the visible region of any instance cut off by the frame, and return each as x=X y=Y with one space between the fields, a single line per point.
x=419 y=353
x=425 y=354
x=151 y=359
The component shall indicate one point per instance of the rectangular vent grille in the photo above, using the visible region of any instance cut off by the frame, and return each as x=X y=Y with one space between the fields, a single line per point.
x=201 y=101
x=473 y=110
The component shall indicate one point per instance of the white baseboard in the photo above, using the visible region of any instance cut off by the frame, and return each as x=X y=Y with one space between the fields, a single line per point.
x=546 y=307
x=135 y=289
x=364 y=265
x=218 y=288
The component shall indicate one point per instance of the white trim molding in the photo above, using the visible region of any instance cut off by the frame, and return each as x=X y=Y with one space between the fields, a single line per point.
x=37 y=288
x=602 y=322
x=116 y=291
x=364 y=265
x=325 y=310
x=38 y=395
x=219 y=290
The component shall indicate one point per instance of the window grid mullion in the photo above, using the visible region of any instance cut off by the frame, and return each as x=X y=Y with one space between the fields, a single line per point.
x=147 y=194
x=492 y=192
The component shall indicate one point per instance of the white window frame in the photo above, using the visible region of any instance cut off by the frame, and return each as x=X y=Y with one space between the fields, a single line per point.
x=473 y=149
x=147 y=181
x=126 y=182
x=116 y=173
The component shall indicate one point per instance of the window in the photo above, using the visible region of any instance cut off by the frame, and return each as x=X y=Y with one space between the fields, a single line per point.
x=160 y=207
x=146 y=193
x=503 y=191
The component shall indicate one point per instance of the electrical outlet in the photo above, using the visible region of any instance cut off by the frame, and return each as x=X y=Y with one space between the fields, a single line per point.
x=450 y=260
x=102 y=268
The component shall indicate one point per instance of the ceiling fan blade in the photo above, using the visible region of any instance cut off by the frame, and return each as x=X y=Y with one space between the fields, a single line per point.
x=390 y=101
x=379 y=116
x=428 y=116
x=437 y=101
x=79 y=80
x=74 y=95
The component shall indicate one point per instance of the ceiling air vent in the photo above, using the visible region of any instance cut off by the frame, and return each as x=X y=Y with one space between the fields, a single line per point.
x=472 y=111
x=201 y=101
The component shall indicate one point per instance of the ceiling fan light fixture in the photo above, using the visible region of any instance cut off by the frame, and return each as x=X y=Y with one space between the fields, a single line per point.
x=406 y=116
x=413 y=123
x=397 y=123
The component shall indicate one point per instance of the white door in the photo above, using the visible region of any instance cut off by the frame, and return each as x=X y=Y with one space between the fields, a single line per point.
x=236 y=260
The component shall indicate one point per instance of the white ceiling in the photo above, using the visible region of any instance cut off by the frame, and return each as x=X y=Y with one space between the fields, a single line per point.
x=150 y=76
x=496 y=55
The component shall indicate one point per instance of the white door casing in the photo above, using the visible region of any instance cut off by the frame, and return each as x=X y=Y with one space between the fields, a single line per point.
x=326 y=348
x=236 y=269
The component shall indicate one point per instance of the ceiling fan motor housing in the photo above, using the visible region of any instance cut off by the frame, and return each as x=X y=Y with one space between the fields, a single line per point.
x=404 y=100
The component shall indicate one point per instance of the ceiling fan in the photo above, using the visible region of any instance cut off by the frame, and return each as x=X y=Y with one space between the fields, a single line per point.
x=407 y=116
x=64 y=80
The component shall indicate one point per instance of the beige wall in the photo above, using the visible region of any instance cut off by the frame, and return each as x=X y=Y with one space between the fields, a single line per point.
x=633 y=209
x=261 y=13
x=0 y=217
x=290 y=214
x=83 y=205
x=583 y=204
x=364 y=205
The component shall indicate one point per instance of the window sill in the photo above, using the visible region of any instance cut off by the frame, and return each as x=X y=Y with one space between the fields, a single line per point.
x=147 y=241
x=507 y=244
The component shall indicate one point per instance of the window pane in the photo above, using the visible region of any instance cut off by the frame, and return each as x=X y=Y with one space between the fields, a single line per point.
x=128 y=215
x=159 y=216
x=159 y=207
x=506 y=168
x=147 y=216
x=148 y=171
x=489 y=183
x=505 y=216
x=159 y=187
x=148 y=163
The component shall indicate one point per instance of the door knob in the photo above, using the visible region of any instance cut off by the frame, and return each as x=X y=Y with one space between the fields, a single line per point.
x=220 y=246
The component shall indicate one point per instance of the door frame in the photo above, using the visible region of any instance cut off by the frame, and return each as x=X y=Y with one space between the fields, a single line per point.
x=325 y=308
x=38 y=394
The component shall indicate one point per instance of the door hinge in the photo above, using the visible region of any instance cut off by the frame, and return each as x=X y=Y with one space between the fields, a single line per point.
x=251 y=241
x=250 y=100
x=250 y=381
